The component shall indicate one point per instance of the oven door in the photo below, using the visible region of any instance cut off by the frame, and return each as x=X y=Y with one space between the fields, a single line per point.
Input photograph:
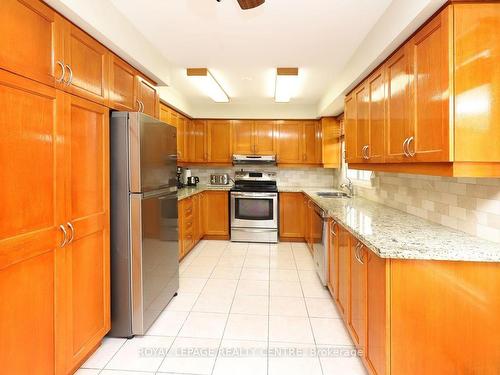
x=254 y=210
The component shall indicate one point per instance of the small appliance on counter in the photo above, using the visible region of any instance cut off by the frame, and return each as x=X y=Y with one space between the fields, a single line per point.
x=219 y=179
x=192 y=181
x=185 y=174
x=180 y=184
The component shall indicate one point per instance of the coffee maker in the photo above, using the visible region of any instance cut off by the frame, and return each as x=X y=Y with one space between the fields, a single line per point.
x=180 y=183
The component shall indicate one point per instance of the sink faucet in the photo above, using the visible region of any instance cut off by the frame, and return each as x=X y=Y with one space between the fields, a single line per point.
x=348 y=186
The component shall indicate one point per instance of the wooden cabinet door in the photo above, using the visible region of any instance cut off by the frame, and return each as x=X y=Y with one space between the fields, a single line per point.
x=31 y=40
x=291 y=216
x=243 y=137
x=180 y=210
x=183 y=124
x=88 y=62
x=376 y=117
x=32 y=200
x=147 y=94
x=398 y=80
x=376 y=321
x=350 y=128
x=430 y=68
x=330 y=150
x=311 y=143
x=216 y=213
x=357 y=316
x=219 y=141
x=264 y=137
x=86 y=270
x=290 y=140
x=122 y=85
x=197 y=141
x=333 y=260
x=477 y=126
x=362 y=124
x=344 y=246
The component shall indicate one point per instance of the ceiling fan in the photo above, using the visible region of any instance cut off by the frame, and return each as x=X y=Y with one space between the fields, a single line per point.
x=249 y=4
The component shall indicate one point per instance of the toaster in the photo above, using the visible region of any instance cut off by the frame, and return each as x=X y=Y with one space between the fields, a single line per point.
x=219 y=179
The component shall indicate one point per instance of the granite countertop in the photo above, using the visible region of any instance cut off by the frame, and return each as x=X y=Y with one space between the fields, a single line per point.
x=395 y=234
x=187 y=191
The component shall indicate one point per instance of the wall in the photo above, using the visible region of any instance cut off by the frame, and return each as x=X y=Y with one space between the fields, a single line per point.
x=467 y=204
x=303 y=177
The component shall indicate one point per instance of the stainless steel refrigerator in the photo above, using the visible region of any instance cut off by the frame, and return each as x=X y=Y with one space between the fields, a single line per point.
x=144 y=225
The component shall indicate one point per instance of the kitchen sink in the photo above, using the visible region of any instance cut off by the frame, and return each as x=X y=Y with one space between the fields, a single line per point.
x=333 y=194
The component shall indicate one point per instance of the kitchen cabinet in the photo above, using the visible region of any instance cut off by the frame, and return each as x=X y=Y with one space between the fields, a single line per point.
x=182 y=124
x=87 y=65
x=148 y=97
x=375 y=86
x=357 y=316
x=431 y=83
x=54 y=240
x=333 y=259
x=186 y=226
x=122 y=85
x=430 y=67
x=291 y=206
x=377 y=322
x=344 y=267
x=311 y=142
x=199 y=217
x=86 y=310
x=350 y=128
x=243 y=137
x=264 y=136
x=197 y=141
x=290 y=142
x=331 y=144
x=398 y=105
x=219 y=141
x=216 y=213
x=29 y=223
x=31 y=40
x=362 y=125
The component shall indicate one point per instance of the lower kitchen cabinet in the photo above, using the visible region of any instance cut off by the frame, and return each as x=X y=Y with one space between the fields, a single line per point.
x=291 y=216
x=187 y=219
x=333 y=259
x=54 y=228
x=344 y=269
x=358 y=292
x=216 y=214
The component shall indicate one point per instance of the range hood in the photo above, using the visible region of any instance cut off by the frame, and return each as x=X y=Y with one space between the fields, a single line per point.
x=254 y=159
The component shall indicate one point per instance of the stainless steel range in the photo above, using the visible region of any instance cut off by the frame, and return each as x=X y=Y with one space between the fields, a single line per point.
x=254 y=207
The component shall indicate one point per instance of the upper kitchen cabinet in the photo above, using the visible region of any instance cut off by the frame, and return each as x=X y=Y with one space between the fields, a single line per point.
x=197 y=141
x=86 y=64
x=441 y=99
x=147 y=97
x=330 y=129
x=31 y=40
x=430 y=68
x=254 y=137
x=299 y=142
x=122 y=85
x=477 y=82
x=219 y=141
x=243 y=137
x=290 y=142
x=264 y=140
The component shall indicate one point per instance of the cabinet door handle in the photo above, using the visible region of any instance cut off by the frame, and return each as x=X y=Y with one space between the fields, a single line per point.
x=63 y=72
x=138 y=105
x=142 y=106
x=404 y=147
x=65 y=234
x=332 y=229
x=367 y=151
x=70 y=78
x=410 y=140
x=72 y=232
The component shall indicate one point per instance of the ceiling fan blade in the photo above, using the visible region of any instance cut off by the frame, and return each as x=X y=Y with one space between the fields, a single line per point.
x=249 y=4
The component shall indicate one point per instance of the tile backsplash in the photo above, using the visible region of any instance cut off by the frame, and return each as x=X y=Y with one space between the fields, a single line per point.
x=468 y=204
x=304 y=177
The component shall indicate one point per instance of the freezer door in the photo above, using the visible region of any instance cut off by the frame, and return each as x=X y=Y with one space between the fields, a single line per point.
x=155 y=263
x=152 y=152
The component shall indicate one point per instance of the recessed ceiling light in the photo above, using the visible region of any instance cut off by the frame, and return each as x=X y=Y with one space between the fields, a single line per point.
x=286 y=84
x=207 y=83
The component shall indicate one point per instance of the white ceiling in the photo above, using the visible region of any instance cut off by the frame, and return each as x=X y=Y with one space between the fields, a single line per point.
x=243 y=48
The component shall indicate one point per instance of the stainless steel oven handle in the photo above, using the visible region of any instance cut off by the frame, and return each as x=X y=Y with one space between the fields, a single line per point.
x=254 y=230
x=254 y=195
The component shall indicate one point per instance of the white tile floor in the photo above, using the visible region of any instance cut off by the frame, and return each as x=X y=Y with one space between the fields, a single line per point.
x=242 y=309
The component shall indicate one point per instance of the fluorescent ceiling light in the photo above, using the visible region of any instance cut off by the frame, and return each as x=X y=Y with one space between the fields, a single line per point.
x=207 y=83
x=286 y=84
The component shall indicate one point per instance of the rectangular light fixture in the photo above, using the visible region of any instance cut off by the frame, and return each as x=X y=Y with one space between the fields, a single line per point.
x=207 y=83
x=286 y=84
